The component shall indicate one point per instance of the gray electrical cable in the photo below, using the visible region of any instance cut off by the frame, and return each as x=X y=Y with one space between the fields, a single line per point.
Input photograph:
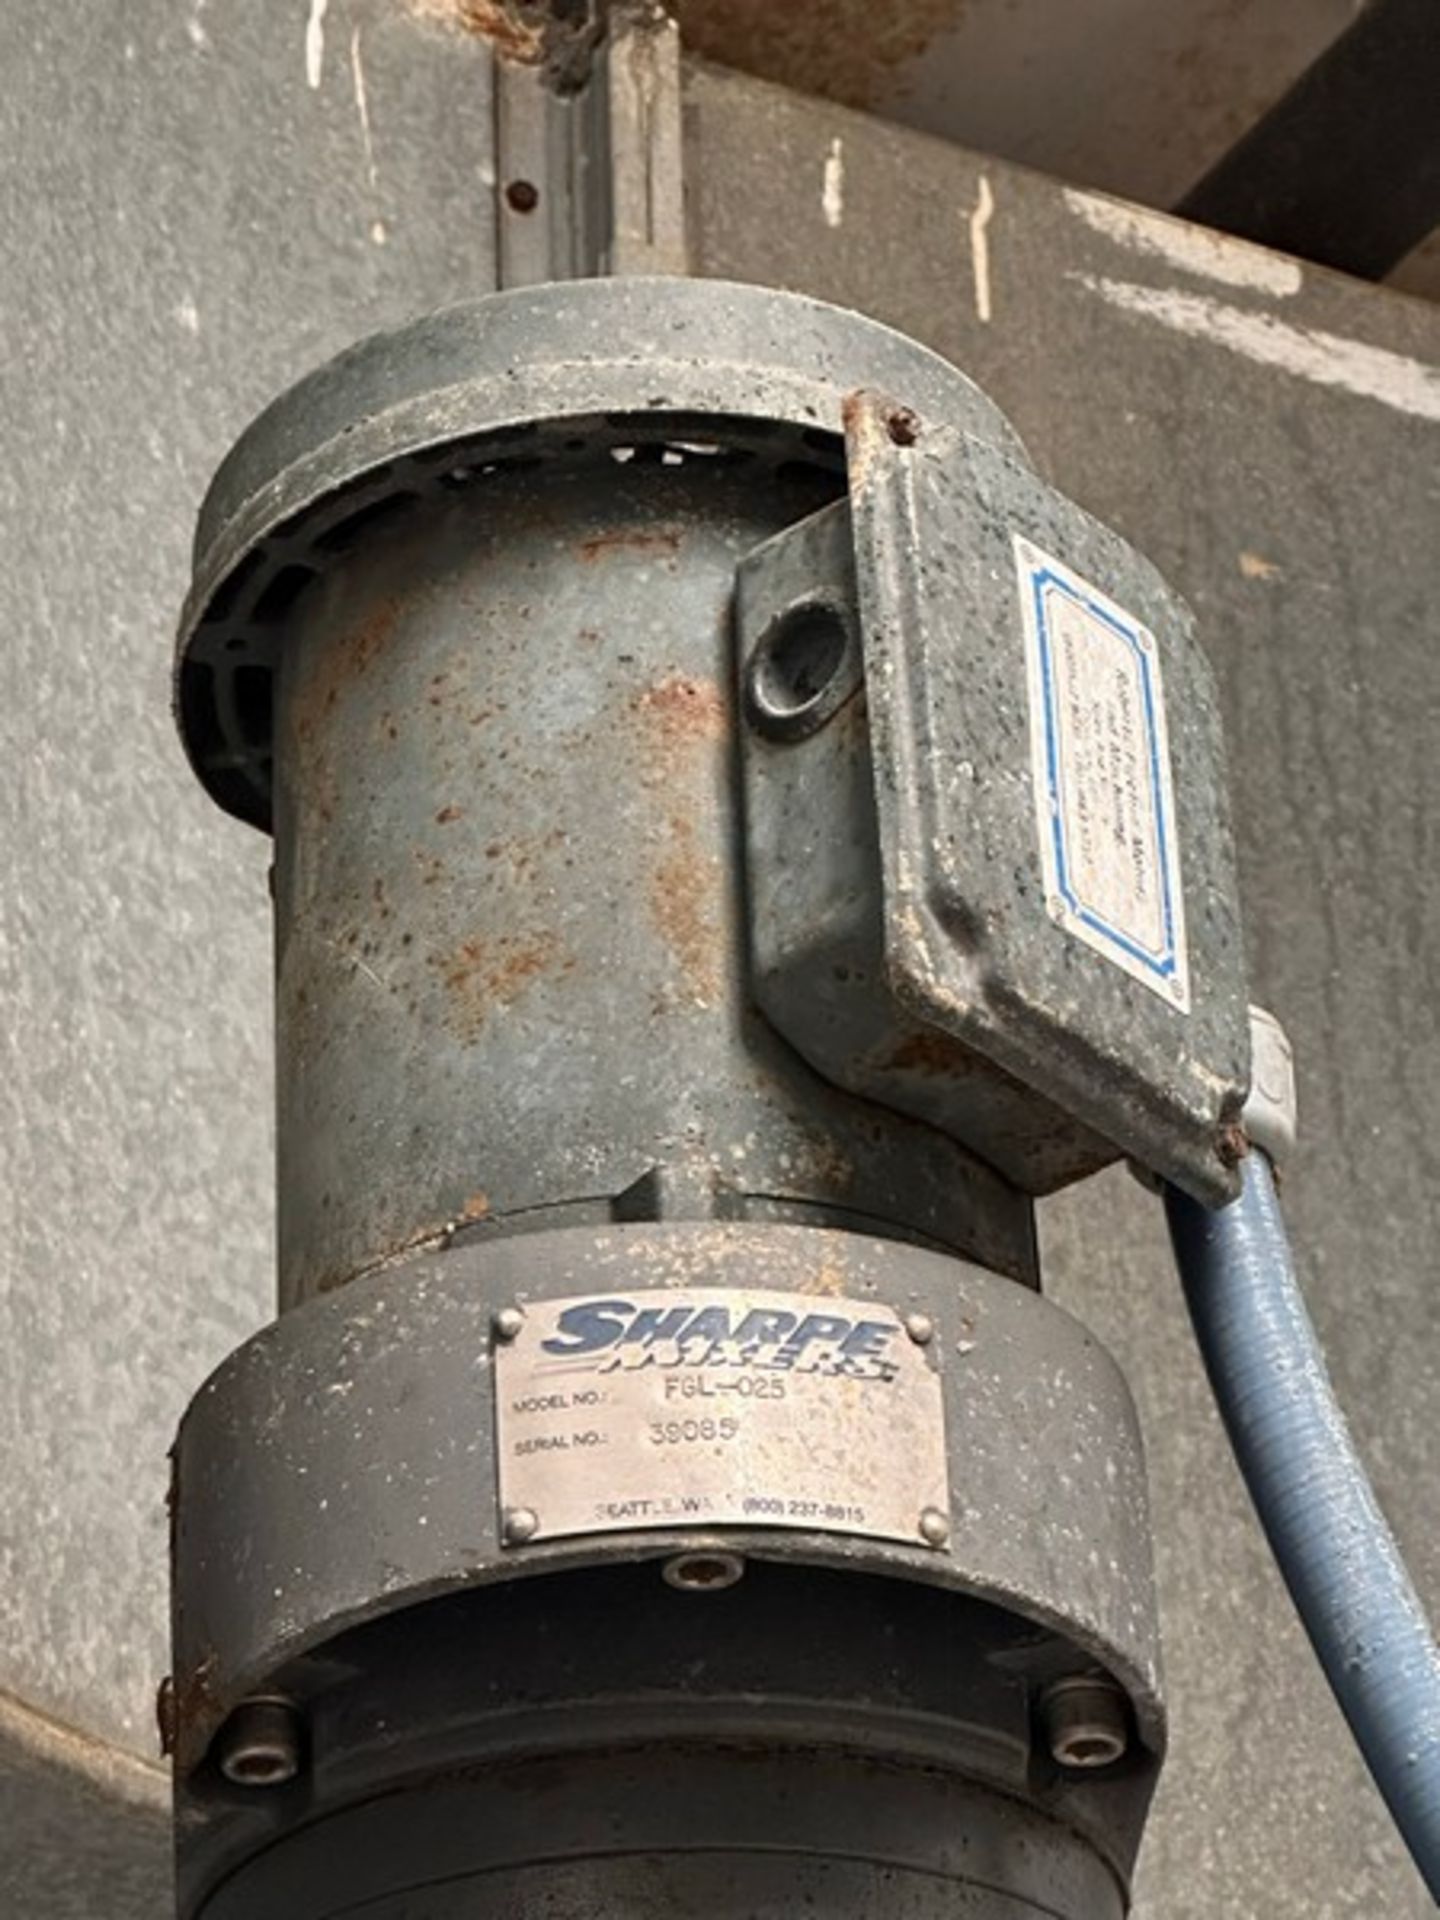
x=1333 y=1545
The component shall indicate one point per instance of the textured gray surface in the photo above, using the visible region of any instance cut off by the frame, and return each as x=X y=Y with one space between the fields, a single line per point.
x=186 y=224
x=91 y=1823
x=1297 y=512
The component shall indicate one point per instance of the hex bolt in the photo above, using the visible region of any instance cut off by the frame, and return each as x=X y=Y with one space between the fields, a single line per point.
x=920 y=1327
x=1085 y=1722
x=507 y=1323
x=708 y=1570
x=518 y=1525
x=934 y=1527
x=903 y=426
x=260 y=1744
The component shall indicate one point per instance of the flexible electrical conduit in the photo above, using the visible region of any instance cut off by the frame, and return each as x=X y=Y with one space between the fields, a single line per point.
x=1338 y=1556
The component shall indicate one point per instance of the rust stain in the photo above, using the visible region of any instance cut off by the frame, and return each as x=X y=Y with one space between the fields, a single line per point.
x=822 y=1164
x=682 y=711
x=854 y=411
x=477 y=1207
x=828 y=1278
x=903 y=426
x=845 y=50
x=495 y=970
x=372 y=634
x=678 y=718
x=683 y=893
x=189 y=1709
x=559 y=35
x=391 y=1250
x=629 y=540
x=512 y=36
x=932 y=1053
x=319 y=691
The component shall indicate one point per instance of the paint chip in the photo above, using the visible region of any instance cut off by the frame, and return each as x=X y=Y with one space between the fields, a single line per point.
x=362 y=108
x=832 y=198
x=980 y=248
x=315 y=44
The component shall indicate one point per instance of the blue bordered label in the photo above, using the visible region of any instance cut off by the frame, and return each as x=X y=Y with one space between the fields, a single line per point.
x=1100 y=764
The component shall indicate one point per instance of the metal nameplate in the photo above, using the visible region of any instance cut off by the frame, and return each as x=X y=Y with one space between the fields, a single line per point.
x=720 y=1407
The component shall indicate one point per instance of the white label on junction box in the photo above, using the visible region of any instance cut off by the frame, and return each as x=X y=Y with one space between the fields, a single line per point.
x=1100 y=761
x=702 y=1407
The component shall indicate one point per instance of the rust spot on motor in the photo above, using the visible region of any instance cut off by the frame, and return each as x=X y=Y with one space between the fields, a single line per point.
x=824 y=1165
x=494 y=970
x=830 y=1277
x=684 y=893
x=343 y=659
x=682 y=711
x=930 y=1052
x=629 y=540
x=372 y=634
x=680 y=721
x=846 y=50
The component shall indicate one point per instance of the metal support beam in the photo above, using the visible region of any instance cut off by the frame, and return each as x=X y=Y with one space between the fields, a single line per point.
x=1345 y=168
x=590 y=177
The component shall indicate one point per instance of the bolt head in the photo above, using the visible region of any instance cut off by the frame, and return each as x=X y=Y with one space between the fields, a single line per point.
x=934 y=1527
x=1086 y=1723
x=704 y=1570
x=519 y=1525
x=260 y=1744
x=507 y=1323
x=920 y=1327
x=903 y=426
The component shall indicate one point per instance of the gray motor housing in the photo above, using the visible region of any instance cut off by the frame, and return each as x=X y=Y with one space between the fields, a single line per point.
x=634 y=676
